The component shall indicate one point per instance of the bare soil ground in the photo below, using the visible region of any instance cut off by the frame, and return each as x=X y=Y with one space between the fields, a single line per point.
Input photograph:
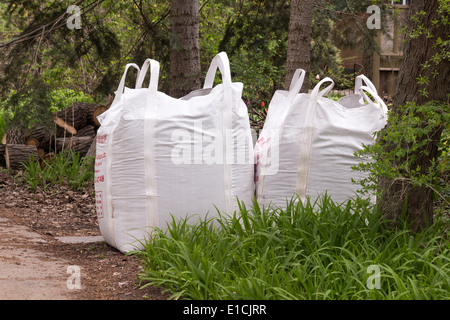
x=105 y=273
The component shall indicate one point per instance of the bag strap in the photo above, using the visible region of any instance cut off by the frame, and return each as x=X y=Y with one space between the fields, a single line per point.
x=121 y=87
x=154 y=75
x=296 y=84
x=359 y=80
x=221 y=62
x=304 y=161
x=316 y=94
x=374 y=94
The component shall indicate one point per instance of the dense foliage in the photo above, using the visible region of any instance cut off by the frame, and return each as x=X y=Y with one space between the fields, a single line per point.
x=43 y=55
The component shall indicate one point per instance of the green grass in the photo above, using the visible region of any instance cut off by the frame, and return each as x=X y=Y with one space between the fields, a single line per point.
x=317 y=251
x=66 y=167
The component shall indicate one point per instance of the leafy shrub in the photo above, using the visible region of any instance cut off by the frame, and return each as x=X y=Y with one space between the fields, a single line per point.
x=405 y=140
x=63 y=98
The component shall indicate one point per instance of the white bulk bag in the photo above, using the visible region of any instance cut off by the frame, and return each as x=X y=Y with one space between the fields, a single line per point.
x=158 y=156
x=307 y=144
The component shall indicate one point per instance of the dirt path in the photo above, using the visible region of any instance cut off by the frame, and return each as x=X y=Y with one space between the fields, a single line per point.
x=34 y=263
x=27 y=273
x=37 y=266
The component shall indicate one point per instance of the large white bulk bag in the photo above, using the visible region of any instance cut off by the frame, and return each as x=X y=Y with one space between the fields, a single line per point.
x=306 y=147
x=159 y=157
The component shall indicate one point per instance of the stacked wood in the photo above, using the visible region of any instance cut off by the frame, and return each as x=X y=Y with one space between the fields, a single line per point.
x=76 y=144
x=70 y=119
x=40 y=137
x=14 y=149
x=77 y=126
x=15 y=154
x=14 y=136
x=77 y=116
x=76 y=129
x=86 y=131
x=92 y=149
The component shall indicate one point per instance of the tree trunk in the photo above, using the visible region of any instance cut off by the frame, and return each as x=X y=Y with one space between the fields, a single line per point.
x=299 y=40
x=401 y=200
x=185 y=67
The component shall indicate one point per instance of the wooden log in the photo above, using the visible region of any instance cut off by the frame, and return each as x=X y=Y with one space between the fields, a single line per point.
x=2 y=154
x=15 y=136
x=63 y=144
x=15 y=154
x=88 y=109
x=89 y=130
x=4 y=139
x=77 y=144
x=98 y=111
x=32 y=142
x=92 y=111
x=42 y=135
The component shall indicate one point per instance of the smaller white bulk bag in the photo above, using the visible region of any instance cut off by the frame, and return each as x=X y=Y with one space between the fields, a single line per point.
x=307 y=144
x=161 y=157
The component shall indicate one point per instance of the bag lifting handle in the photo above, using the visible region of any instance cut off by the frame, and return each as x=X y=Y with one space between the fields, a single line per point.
x=219 y=61
x=121 y=87
x=296 y=83
x=154 y=75
x=359 y=83
x=374 y=94
x=315 y=94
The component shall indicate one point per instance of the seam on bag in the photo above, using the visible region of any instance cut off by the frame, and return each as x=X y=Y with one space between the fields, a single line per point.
x=227 y=105
x=108 y=173
x=152 y=216
x=304 y=160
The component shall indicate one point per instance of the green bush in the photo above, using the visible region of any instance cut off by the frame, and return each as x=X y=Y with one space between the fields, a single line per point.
x=63 y=98
x=317 y=251
x=404 y=141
